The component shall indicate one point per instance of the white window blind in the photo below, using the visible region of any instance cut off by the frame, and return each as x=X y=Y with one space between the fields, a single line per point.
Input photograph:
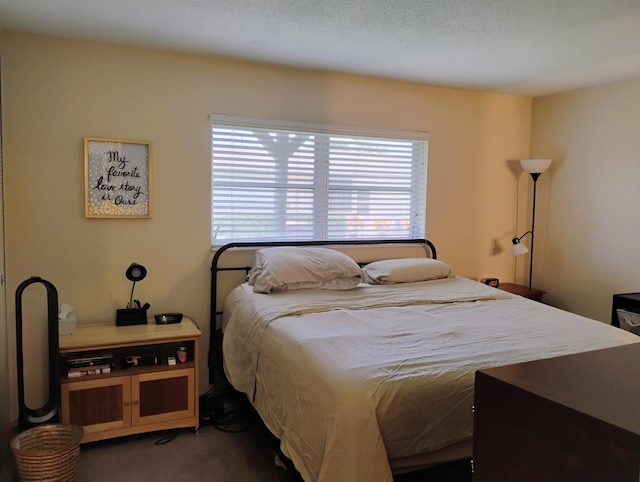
x=275 y=182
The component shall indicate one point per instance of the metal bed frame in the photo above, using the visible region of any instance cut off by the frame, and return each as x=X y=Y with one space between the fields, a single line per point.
x=215 y=351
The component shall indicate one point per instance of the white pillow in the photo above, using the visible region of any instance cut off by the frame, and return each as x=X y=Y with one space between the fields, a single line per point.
x=406 y=270
x=292 y=268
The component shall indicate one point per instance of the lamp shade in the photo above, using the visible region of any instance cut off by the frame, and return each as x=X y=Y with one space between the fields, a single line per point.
x=535 y=166
x=518 y=248
x=136 y=272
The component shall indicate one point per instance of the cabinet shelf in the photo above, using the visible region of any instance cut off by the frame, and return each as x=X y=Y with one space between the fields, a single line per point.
x=119 y=372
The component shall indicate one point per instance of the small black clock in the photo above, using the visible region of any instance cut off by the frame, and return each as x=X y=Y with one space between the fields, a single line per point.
x=495 y=282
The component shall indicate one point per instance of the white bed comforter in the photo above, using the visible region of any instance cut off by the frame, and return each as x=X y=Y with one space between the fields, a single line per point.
x=350 y=380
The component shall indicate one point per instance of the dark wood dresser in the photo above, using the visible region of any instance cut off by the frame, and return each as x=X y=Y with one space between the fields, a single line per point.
x=625 y=301
x=571 y=418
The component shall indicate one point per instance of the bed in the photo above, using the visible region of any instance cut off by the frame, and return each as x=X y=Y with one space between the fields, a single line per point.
x=373 y=374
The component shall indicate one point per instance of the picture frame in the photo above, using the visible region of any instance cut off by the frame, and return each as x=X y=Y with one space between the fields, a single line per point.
x=117 y=178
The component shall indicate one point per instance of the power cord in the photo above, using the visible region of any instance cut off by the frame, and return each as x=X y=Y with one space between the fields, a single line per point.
x=194 y=321
x=166 y=438
x=225 y=410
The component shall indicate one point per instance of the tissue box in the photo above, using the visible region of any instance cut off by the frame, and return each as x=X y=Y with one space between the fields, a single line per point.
x=66 y=327
x=66 y=320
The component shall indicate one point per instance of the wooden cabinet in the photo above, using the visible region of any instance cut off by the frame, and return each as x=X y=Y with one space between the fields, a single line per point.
x=570 y=418
x=135 y=399
x=524 y=291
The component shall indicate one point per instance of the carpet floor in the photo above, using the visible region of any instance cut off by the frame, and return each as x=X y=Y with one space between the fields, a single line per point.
x=211 y=454
x=240 y=452
x=179 y=455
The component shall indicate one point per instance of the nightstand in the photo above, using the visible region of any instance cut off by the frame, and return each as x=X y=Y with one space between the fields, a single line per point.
x=520 y=290
x=134 y=399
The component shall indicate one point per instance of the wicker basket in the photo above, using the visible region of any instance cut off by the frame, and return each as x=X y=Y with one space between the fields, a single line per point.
x=47 y=453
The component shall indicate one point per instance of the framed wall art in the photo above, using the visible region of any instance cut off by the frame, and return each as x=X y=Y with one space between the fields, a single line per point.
x=117 y=178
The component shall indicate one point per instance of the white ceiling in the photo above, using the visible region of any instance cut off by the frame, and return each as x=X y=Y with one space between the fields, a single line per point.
x=529 y=47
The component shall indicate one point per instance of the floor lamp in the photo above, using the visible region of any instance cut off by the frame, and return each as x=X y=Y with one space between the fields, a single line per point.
x=535 y=167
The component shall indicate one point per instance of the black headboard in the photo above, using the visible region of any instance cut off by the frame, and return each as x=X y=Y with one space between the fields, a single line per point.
x=215 y=355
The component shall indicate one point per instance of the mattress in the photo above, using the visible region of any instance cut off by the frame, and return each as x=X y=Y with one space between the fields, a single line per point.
x=356 y=383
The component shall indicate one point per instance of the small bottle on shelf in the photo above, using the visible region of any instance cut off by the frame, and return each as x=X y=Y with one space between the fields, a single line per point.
x=182 y=354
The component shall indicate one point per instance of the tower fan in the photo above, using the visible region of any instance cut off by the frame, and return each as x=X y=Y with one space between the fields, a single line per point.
x=50 y=411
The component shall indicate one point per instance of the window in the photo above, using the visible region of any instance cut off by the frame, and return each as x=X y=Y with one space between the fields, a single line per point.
x=275 y=182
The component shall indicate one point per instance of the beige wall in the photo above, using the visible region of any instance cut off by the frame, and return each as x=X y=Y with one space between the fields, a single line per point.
x=4 y=367
x=56 y=91
x=593 y=232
